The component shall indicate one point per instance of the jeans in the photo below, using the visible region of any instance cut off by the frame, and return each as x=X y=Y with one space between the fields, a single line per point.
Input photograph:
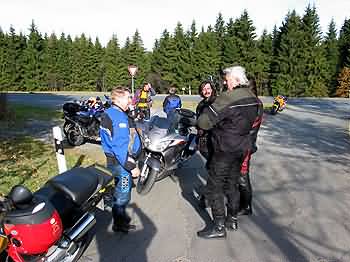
x=123 y=184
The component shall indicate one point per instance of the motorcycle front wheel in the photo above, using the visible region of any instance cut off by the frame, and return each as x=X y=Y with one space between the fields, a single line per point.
x=146 y=181
x=66 y=127
x=274 y=109
x=74 y=136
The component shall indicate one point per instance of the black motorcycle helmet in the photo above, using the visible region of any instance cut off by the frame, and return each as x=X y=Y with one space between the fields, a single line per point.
x=20 y=195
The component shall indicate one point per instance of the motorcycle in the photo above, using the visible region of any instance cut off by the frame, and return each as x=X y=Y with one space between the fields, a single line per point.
x=57 y=222
x=279 y=103
x=167 y=142
x=82 y=121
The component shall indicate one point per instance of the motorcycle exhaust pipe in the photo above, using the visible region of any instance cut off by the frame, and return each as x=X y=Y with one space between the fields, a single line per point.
x=84 y=224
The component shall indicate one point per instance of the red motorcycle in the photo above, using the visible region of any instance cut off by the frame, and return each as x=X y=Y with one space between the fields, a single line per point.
x=56 y=223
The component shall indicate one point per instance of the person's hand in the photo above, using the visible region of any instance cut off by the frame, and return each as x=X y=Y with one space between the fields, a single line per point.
x=135 y=172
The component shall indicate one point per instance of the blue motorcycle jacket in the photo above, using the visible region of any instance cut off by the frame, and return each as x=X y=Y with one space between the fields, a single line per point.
x=118 y=140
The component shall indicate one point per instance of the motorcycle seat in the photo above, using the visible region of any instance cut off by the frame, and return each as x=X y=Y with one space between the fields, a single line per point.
x=78 y=183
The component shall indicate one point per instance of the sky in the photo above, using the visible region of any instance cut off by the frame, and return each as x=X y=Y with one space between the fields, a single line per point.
x=105 y=18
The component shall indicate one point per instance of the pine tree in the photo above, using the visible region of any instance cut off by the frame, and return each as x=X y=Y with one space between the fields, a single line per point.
x=50 y=62
x=33 y=78
x=240 y=46
x=332 y=57
x=80 y=76
x=183 y=62
x=164 y=59
x=263 y=63
x=343 y=88
x=113 y=63
x=288 y=67
x=160 y=61
x=134 y=53
x=64 y=62
x=3 y=45
x=314 y=55
x=344 y=44
x=206 y=56
x=95 y=58
x=220 y=31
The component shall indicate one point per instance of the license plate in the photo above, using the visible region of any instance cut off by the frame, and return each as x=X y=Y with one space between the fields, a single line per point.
x=101 y=205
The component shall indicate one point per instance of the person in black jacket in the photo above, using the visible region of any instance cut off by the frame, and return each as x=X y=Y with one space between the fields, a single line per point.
x=229 y=120
x=208 y=93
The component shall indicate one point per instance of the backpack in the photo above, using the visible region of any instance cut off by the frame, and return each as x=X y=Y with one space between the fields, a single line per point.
x=173 y=102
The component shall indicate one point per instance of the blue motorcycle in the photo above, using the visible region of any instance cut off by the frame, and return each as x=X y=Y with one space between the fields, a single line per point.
x=82 y=120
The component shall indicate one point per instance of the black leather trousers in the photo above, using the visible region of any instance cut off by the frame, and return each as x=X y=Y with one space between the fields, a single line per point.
x=223 y=181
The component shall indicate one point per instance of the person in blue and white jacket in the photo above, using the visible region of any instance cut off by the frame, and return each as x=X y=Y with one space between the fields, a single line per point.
x=122 y=146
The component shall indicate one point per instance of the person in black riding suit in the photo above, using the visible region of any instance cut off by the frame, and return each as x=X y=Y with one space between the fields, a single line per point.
x=208 y=93
x=229 y=120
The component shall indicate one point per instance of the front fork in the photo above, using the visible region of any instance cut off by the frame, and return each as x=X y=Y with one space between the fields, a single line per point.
x=144 y=168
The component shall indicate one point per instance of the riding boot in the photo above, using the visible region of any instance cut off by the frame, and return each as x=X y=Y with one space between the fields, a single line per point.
x=216 y=230
x=121 y=221
x=231 y=223
x=245 y=211
x=245 y=189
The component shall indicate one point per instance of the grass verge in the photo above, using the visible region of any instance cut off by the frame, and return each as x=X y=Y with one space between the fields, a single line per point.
x=18 y=115
x=26 y=161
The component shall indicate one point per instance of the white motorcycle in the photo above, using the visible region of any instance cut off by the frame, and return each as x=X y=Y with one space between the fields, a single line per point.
x=167 y=142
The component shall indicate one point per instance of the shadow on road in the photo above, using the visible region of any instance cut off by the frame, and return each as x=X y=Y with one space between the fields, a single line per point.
x=192 y=176
x=121 y=247
x=315 y=138
x=298 y=210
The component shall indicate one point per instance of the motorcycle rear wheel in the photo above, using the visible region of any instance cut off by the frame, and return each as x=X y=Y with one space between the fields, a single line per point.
x=145 y=184
x=83 y=244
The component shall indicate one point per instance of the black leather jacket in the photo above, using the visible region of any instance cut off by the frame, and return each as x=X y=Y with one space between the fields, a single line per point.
x=230 y=119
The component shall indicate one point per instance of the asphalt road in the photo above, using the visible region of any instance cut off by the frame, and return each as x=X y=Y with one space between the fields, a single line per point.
x=301 y=183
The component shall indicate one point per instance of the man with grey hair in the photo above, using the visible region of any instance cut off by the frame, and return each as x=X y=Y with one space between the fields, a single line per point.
x=229 y=120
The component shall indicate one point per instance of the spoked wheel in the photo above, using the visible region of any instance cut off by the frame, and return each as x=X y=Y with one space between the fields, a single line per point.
x=66 y=127
x=74 y=136
x=146 y=180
